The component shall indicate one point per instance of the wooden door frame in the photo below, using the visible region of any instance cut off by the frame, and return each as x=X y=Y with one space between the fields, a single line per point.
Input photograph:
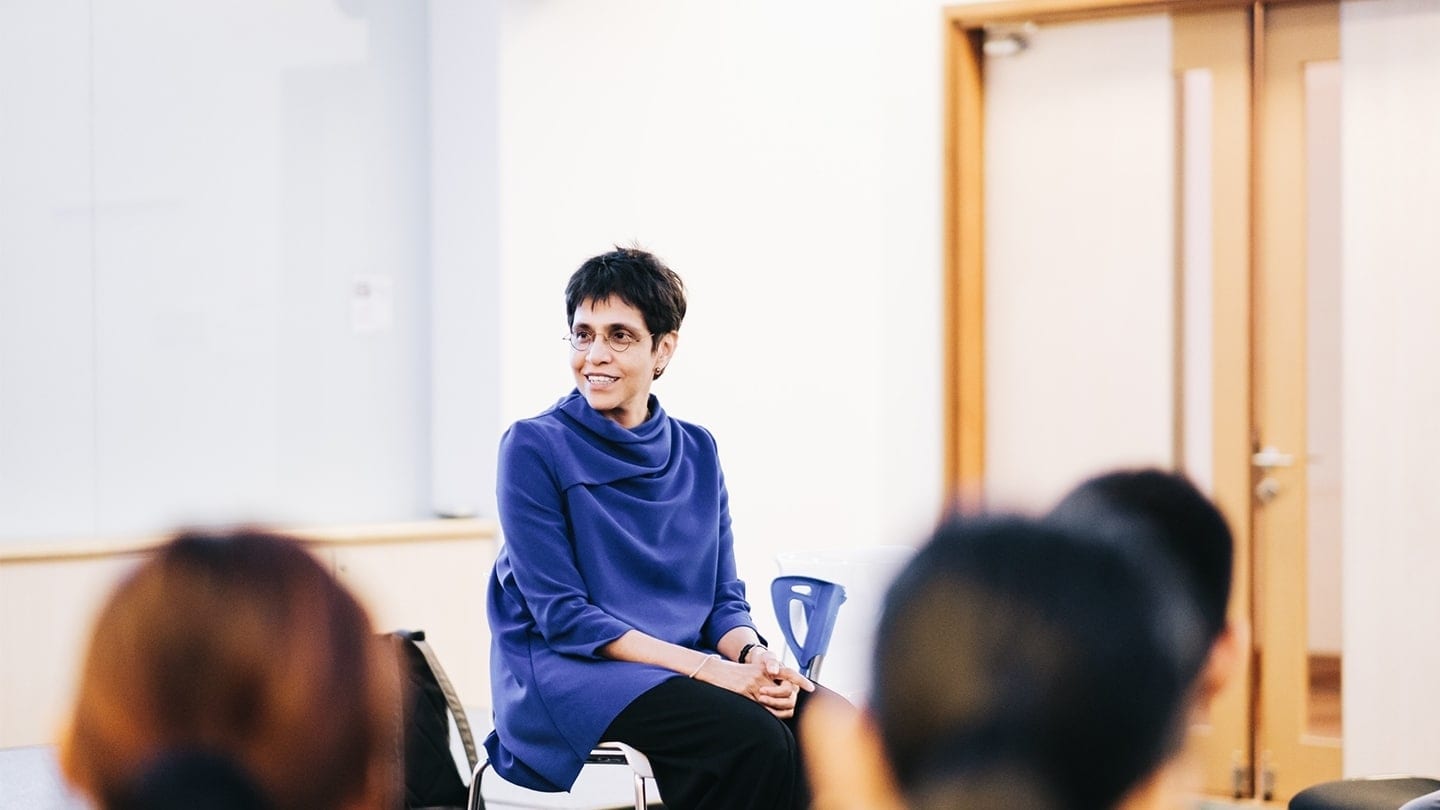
x=1304 y=33
x=964 y=201
x=1238 y=410
x=964 y=253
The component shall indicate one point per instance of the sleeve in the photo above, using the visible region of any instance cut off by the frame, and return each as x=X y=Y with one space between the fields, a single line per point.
x=729 y=610
x=539 y=543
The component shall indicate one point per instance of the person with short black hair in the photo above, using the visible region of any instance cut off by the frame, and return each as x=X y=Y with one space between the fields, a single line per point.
x=1015 y=656
x=1017 y=664
x=1165 y=512
x=615 y=609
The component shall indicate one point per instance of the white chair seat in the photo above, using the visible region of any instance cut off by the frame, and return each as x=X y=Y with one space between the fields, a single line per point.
x=606 y=752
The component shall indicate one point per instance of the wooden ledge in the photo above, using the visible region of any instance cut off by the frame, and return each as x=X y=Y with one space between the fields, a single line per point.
x=416 y=531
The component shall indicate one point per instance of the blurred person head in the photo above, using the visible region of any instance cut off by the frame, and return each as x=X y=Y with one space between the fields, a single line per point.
x=1165 y=512
x=232 y=659
x=624 y=310
x=1021 y=664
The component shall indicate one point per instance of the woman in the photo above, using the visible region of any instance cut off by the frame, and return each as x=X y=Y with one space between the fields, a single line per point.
x=232 y=670
x=615 y=609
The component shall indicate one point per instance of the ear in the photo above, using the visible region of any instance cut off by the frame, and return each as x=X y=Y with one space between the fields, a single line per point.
x=1224 y=660
x=665 y=348
x=844 y=757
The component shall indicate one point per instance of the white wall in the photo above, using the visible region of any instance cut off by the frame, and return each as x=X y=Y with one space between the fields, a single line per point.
x=786 y=160
x=1324 y=372
x=1391 y=178
x=464 y=254
x=188 y=195
x=1080 y=261
x=190 y=213
x=46 y=291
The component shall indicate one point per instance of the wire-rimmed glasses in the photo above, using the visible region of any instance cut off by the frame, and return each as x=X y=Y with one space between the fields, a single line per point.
x=582 y=339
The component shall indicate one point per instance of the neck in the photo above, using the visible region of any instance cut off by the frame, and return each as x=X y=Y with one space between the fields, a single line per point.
x=628 y=419
x=1160 y=791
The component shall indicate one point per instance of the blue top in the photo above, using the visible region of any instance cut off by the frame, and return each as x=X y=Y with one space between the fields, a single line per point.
x=606 y=529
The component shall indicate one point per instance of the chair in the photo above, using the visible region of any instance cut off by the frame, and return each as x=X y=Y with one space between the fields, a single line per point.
x=816 y=601
x=819 y=604
x=1363 y=793
x=605 y=753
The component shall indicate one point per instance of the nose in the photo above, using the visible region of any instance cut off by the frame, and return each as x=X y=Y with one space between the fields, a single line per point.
x=599 y=350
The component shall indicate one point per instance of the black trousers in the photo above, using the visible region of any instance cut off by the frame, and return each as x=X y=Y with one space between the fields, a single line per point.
x=712 y=749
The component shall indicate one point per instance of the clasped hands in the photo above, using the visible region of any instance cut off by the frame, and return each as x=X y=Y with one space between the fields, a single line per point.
x=763 y=679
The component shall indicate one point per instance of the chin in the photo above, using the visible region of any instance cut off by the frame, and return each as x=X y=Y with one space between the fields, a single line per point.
x=599 y=402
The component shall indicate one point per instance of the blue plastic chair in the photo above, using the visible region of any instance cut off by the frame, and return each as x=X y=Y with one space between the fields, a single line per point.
x=821 y=601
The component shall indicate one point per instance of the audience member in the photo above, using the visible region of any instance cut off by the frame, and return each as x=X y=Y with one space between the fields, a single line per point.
x=1166 y=512
x=232 y=670
x=1018 y=664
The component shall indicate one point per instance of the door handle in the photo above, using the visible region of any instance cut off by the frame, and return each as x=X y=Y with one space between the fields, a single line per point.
x=1266 y=459
x=1270 y=457
x=1267 y=490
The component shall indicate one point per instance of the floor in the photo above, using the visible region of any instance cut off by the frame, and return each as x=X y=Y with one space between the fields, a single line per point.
x=30 y=780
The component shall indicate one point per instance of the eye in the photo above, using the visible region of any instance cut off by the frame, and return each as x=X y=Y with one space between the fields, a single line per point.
x=582 y=336
x=622 y=337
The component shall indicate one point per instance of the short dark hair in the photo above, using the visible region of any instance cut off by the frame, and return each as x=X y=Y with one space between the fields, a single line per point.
x=1167 y=510
x=1011 y=652
x=636 y=277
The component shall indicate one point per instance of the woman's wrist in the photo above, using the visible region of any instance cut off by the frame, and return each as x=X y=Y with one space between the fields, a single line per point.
x=748 y=650
x=702 y=664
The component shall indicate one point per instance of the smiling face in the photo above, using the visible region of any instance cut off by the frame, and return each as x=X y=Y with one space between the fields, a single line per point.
x=617 y=384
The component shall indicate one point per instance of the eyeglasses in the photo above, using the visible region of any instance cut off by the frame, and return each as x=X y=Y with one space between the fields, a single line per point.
x=618 y=341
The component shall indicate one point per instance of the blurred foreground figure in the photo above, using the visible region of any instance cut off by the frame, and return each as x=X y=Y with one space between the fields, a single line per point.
x=233 y=671
x=1018 y=664
x=1162 y=512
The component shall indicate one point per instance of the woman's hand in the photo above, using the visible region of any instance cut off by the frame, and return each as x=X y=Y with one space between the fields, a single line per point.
x=780 y=694
x=763 y=680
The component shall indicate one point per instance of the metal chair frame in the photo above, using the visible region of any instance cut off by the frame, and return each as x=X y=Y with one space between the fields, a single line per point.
x=604 y=753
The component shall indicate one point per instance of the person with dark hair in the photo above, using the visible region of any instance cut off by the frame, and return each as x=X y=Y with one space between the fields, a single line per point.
x=185 y=780
x=232 y=670
x=615 y=609
x=1165 y=512
x=1022 y=665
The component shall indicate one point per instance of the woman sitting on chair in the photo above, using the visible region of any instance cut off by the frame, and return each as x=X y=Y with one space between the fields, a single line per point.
x=615 y=609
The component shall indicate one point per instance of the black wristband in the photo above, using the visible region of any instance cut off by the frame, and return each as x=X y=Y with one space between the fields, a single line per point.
x=744 y=651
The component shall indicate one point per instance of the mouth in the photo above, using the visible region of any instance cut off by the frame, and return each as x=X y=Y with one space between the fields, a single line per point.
x=600 y=379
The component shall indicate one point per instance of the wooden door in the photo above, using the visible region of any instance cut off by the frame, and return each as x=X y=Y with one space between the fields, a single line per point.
x=1264 y=735
x=1212 y=64
x=1296 y=389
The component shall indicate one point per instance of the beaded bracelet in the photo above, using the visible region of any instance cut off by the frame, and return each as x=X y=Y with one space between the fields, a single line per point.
x=703 y=663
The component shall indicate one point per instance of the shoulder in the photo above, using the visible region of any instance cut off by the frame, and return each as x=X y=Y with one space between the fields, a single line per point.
x=698 y=437
x=534 y=438
x=691 y=430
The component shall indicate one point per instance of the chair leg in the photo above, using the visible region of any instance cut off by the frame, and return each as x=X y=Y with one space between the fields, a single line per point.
x=640 y=803
x=475 y=801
